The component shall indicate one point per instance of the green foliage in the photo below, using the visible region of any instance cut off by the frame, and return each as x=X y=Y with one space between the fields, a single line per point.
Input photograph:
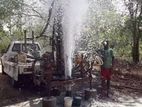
x=9 y=13
x=4 y=40
x=8 y=8
x=17 y=35
x=105 y=23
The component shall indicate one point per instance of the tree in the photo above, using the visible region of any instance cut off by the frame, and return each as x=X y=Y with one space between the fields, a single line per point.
x=135 y=13
x=8 y=8
x=103 y=22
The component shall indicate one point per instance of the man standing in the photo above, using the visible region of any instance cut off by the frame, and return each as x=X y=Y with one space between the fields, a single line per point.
x=106 y=69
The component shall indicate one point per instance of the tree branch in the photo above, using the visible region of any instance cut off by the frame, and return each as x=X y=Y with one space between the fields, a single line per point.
x=35 y=15
x=34 y=10
x=48 y=20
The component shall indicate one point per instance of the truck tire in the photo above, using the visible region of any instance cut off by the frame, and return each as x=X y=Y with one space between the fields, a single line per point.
x=2 y=68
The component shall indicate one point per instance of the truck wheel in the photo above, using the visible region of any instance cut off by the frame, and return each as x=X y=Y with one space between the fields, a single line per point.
x=2 y=68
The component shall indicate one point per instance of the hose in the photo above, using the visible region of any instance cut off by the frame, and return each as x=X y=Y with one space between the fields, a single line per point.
x=97 y=63
x=98 y=59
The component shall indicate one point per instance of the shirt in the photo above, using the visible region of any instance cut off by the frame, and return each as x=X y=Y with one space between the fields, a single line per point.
x=107 y=58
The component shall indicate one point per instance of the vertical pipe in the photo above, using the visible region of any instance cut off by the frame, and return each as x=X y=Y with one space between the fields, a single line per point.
x=32 y=36
x=25 y=39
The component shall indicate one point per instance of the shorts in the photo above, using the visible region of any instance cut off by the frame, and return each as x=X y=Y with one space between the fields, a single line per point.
x=106 y=73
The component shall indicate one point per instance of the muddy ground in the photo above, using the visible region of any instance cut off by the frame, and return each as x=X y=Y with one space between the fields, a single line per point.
x=126 y=90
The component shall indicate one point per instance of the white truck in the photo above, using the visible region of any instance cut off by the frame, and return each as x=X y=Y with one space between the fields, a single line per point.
x=18 y=70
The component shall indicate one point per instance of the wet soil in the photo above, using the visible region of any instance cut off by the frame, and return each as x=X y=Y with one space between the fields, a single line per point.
x=126 y=89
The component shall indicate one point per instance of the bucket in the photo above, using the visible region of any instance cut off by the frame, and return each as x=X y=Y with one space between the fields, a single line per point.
x=77 y=101
x=68 y=102
x=49 y=102
x=90 y=94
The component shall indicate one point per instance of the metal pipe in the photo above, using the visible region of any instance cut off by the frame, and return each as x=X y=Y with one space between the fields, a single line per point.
x=25 y=40
x=33 y=37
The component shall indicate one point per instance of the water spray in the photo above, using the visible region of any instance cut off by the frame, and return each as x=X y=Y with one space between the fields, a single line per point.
x=73 y=17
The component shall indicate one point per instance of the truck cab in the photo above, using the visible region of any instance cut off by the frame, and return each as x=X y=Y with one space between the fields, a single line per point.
x=16 y=69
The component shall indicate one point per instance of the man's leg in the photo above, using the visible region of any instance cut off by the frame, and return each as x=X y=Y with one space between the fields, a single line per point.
x=103 y=82
x=108 y=81
x=103 y=87
x=108 y=87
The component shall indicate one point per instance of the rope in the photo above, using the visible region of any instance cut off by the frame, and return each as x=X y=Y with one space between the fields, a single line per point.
x=98 y=60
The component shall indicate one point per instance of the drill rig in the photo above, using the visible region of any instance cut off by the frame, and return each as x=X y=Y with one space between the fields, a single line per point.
x=51 y=63
x=52 y=67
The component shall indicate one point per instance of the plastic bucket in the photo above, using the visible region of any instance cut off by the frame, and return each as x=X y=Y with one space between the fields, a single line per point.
x=68 y=102
x=77 y=101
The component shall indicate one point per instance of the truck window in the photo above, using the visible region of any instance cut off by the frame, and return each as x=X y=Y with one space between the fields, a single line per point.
x=16 y=47
x=31 y=46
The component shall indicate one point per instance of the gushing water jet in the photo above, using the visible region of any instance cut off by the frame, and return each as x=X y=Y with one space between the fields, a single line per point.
x=73 y=18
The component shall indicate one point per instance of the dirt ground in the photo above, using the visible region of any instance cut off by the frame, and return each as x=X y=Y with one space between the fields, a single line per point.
x=126 y=90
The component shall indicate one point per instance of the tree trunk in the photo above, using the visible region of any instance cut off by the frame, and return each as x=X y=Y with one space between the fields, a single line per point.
x=135 y=46
x=134 y=11
x=135 y=50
